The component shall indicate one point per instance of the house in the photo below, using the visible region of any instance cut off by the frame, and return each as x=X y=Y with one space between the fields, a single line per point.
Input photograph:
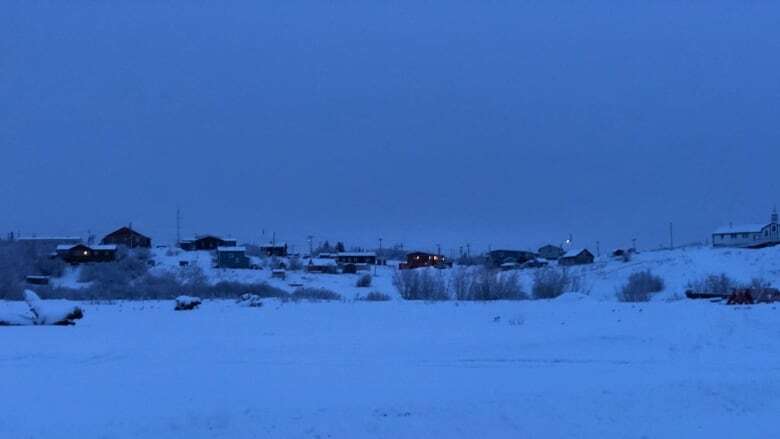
x=357 y=258
x=322 y=265
x=82 y=253
x=749 y=235
x=232 y=257
x=127 y=237
x=422 y=259
x=576 y=257
x=497 y=258
x=274 y=250
x=550 y=252
x=206 y=242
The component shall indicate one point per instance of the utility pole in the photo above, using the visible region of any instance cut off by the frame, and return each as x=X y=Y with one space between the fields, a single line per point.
x=633 y=243
x=438 y=249
x=598 y=248
x=671 y=236
x=311 y=246
x=178 y=226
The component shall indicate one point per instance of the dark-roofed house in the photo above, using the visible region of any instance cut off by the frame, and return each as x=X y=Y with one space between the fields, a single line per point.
x=127 y=237
x=497 y=258
x=82 y=253
x=206 y=242
x=423 y=259
x=550 y=252
x=359 y=258
x=277 y=250
x=232 y=257
x=576 y=257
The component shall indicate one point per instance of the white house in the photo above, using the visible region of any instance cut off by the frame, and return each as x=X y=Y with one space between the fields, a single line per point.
x=748 y=235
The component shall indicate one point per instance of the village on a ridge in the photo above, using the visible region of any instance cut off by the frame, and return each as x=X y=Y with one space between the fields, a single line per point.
x=285 y=266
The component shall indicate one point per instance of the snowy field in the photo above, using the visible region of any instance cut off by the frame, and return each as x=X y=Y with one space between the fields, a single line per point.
x=573 y=367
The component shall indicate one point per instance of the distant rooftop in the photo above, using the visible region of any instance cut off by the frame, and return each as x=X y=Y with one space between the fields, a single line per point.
x=741 y=228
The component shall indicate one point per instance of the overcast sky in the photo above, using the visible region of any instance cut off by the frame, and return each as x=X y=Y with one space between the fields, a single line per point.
x=503 y=124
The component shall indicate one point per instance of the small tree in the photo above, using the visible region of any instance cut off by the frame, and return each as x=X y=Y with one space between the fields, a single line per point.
x=364 y=281
x=549 y=283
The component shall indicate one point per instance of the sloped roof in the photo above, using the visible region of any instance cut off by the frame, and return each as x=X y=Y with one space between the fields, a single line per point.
x=231 y=249
x=357 y=254
x=103 y=247
x=574 y=252
x=741 y=228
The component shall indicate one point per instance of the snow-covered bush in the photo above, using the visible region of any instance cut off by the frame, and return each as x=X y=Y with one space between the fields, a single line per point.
x=486 y=284
x=551 y=282
x=250 y=300
x=374 y=296
x=421 y=284
x=18 y=260
x=715 y=284
x=187 y=303
x=313 y=294
x=364 y=281
x=128 y=267
x=294 y=263
x=640 y=287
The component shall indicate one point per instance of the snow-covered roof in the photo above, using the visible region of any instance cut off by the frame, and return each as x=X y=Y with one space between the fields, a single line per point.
x=573 y=252
x=231 y=249
x=103 y=247
x=66 y=247
x=357 y=254
x=271 y=245
x=741 y=228
x=322 y=262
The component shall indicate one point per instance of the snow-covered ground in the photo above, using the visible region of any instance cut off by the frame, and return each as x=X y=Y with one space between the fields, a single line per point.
x=570 y=367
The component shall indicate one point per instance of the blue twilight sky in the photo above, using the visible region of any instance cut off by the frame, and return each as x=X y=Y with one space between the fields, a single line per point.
x=503 y=124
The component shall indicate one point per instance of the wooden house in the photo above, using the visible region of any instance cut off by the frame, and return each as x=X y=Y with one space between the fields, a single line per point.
x=497 y=258
x=232 y=257
x=322 y=265
x=206 y=242
x=357 y=258
x=82 y=253
x=127 y=237
x=550 y=252
x=423 y=259
x=576 y=257
x=274 y=250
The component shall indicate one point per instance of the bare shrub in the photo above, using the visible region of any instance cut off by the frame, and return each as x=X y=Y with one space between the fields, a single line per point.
x=550 y=282
x=486 y=284
x=125 y=270
x=295 y=264
x=364 y=281
x=421 y=284
x=640 y=287
x=715 y=284
x=375 y=296
x=313 y=294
